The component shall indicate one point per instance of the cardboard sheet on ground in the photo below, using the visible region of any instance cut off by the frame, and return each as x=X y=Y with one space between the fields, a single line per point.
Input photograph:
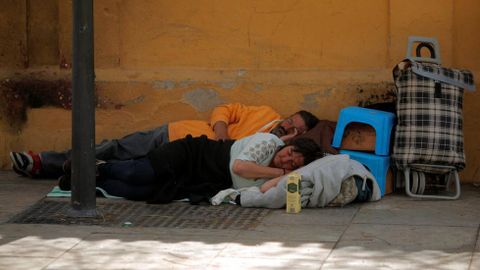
x=57 y=192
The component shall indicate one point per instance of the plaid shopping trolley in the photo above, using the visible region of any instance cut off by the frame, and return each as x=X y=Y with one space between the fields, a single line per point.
x=429 y=131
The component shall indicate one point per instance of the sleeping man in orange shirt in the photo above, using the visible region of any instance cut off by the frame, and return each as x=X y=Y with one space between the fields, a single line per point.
x=228 y=121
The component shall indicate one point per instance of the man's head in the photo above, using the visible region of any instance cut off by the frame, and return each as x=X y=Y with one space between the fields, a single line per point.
x=300 y=121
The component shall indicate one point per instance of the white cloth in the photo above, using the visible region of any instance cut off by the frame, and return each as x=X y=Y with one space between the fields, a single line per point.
x=228 y=195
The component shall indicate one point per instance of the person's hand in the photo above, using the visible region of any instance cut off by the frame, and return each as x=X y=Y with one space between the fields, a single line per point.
x=288 y=137
x=221 y=131
x=222 y=137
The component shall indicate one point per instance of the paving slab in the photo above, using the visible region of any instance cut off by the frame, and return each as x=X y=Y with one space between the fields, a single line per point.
x=397 y=232
x=318 y=216
x=263 y=263
x=299 y=232
x=39 y=240
x=370 y=246
x=21 y=263
x=399 y=209
x=17 y=193
x=284 y=250
x=476 y=255
x=138 y=251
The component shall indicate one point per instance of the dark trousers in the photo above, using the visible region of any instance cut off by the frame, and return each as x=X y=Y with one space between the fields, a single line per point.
x=135 y=145
x=193 y=168
x=132 y=179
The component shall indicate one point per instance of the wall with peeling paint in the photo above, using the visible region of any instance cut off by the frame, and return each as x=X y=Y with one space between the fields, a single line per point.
x=160 y=61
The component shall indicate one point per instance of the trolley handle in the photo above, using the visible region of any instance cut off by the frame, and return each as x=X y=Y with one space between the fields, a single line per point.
x=429 y=46
x=423 y=42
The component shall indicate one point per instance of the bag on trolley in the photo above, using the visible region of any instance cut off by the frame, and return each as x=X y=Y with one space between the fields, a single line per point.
x=429 y=108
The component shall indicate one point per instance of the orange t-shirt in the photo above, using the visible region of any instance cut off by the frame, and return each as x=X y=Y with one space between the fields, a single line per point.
x=242 y=121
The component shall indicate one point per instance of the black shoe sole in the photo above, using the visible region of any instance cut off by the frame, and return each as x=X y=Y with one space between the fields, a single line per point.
x=64 y=183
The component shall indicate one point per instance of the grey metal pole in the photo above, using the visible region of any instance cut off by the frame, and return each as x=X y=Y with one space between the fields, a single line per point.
x=83 y=200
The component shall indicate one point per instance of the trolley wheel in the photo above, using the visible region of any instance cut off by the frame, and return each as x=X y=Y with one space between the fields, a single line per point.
x=421 y=183
x=418 y=180
x=414 y=185
x=449 y=178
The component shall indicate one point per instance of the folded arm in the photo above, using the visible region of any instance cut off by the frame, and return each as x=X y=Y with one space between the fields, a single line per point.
x=251 y=170
x=221 y=130
x=224 y=115
x=270 y=184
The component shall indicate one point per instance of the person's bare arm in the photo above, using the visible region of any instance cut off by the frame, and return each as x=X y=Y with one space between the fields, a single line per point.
x=270 y=184
x=221 y=131
x=251 y=170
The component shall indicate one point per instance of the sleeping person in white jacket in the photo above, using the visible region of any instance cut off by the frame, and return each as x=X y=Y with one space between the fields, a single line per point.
x=320 y=185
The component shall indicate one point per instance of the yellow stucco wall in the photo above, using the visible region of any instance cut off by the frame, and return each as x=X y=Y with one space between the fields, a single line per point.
x=169 y=60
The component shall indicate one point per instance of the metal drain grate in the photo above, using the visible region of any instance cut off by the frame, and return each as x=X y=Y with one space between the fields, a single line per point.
x=174 y=215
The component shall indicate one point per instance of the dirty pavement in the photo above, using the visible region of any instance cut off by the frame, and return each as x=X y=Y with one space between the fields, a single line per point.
x=397 y=232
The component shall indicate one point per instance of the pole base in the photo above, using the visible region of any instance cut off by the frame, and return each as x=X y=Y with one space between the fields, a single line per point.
x=89 y=213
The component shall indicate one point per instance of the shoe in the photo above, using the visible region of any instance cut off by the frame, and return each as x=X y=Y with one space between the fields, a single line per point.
x=99 y=162
x=67 y=166
x=26 y=163
x=19 y=172
x=64 y=182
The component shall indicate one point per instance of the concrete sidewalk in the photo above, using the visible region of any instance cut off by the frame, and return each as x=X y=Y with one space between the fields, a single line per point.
x=395 y=233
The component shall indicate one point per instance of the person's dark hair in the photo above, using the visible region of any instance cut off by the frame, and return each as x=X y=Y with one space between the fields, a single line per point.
x=310 y=119
x=308 y=148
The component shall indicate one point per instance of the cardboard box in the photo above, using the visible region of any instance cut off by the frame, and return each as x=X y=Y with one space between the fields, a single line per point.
x=358 y=137
x=389 y=187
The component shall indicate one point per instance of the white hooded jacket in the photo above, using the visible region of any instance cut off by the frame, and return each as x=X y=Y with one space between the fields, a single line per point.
x=320 y=184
